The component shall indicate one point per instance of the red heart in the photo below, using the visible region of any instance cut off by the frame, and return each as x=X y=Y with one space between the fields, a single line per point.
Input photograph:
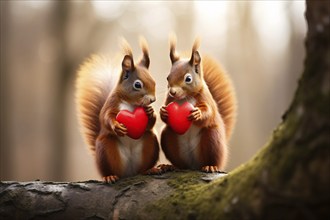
x=178 y=116
x=135 y=122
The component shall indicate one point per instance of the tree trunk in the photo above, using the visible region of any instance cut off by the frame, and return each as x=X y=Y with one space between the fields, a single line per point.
x=288 y=179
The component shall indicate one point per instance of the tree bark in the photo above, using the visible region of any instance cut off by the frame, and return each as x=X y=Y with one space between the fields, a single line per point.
x=288 y=179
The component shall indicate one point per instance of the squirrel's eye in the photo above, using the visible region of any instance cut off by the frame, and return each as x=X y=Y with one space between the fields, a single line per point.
x=138 y=84
x=188 y=78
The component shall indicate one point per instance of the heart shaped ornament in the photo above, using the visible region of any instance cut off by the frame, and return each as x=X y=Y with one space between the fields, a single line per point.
x=135 y=122
x=178 y=116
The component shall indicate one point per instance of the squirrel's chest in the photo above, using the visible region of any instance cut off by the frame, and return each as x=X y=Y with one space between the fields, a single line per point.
x=130 y=152
x=189 y=146
x=126 y=106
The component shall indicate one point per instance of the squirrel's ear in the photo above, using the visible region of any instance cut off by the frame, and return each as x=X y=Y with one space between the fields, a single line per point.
x=128 y=63
x=195 y=58
x=173 y=56
x=127 y=66
x=145 y=60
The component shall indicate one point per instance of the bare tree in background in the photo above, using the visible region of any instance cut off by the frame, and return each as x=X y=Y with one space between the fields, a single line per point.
x=4 y=140
x=64 y=71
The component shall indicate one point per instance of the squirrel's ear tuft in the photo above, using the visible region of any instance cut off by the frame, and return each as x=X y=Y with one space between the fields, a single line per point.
x=174 y=57
x=196 y=44
x=128 y=63
x=126 y=48
x=145 y=60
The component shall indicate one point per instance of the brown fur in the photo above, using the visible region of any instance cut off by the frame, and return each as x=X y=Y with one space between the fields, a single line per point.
x=215 y=111
x=150 y=151
x=170 y=146
x=222 y=91
x=208 y=150
x=91 y=94
x=100 y=91
x=108 y=161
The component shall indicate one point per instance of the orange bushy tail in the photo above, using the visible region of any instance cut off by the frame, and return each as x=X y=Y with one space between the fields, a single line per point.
x=222 y=91
x=96 y=79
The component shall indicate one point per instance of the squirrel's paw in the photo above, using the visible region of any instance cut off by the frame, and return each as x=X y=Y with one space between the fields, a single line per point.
x=153 y=171
x=166 y=167
x=195 y=115
x=119 y=129
x=110 y=179
x=163 y=113
x=149 y=111
x=211 y=169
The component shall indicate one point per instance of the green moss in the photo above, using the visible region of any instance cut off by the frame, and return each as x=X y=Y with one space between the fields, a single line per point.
x=323 y=105
x=126 y=182
x=198 y=199
x=186 y=188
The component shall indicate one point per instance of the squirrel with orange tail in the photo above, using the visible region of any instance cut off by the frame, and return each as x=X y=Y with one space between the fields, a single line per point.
x=104 y=90
x=201 y=82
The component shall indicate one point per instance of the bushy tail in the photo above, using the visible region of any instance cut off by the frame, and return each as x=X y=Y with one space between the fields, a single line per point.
x=96 y=79
x=222 y=91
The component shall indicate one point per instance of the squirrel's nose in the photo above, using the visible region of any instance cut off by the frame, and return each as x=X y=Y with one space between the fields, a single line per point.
x=172 y=92
x=152 y=99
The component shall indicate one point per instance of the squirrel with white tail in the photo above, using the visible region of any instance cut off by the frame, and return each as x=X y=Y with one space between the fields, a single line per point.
x=201 y=82
x=105 y=89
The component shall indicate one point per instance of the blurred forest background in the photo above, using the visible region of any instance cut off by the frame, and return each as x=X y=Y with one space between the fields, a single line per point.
x=260 y=43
